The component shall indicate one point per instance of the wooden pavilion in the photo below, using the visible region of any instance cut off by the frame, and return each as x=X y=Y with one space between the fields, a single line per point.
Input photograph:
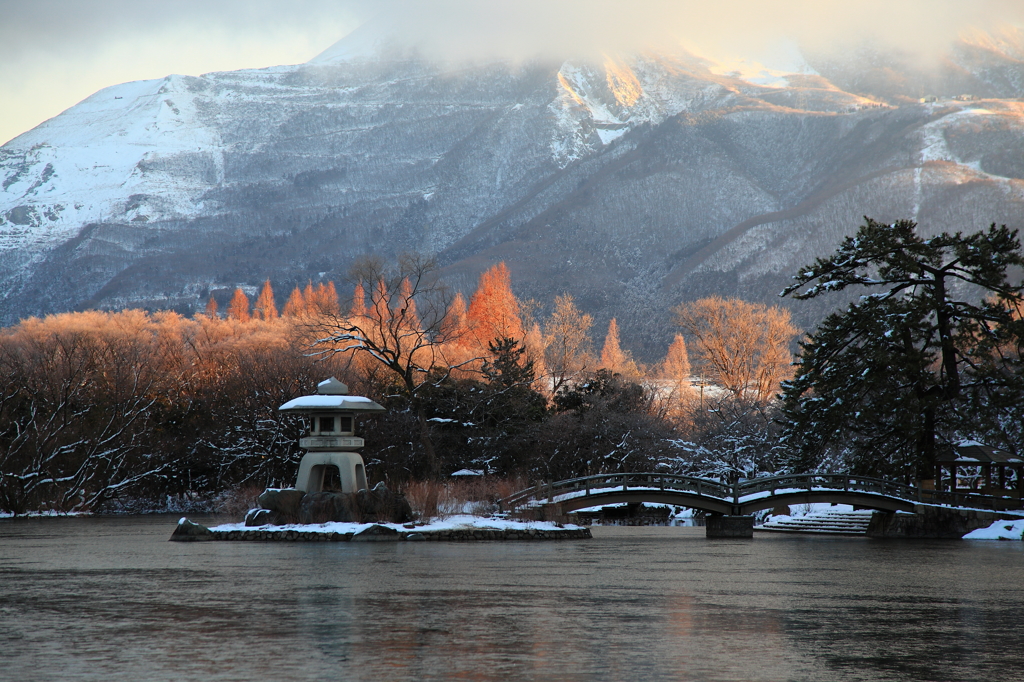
x=971 y=467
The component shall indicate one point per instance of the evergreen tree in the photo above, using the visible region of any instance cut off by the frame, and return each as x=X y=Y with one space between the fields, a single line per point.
x=676 y=365
x=238 y=308
x=880 y=385
x=295 y=306
x=508 y=365
x=358 y=308
x=265 y=308
x=612 y=357
x=494 y=311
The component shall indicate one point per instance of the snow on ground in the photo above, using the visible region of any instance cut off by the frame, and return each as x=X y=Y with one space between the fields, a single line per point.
x=41 y=514
x=1000 y=530
x=460 y=522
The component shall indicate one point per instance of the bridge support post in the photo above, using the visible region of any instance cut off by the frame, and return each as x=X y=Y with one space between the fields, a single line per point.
x=720 y=526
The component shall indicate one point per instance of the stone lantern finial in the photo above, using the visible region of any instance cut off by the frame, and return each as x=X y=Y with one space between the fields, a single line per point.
x=331 y=387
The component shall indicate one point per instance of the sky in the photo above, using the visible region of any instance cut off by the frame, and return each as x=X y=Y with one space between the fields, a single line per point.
x=54 y=53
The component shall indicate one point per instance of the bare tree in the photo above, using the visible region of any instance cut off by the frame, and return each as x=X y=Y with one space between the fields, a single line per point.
x=403 y=329
x=744 y=346
x=567 y=341
x=72 y=432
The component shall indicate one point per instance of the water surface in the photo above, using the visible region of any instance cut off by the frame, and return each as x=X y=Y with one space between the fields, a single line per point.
x=111 y=599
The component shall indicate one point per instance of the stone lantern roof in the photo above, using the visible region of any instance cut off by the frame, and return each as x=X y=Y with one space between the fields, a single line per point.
x=331 y=396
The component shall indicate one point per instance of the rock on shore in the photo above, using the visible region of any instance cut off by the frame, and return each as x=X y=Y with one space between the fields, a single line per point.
x=283 y=506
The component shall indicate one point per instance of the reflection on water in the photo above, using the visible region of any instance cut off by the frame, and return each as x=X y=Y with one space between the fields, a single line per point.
x=112 y=599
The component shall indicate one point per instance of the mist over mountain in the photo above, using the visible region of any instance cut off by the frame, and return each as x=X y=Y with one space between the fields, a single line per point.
x=633 y=182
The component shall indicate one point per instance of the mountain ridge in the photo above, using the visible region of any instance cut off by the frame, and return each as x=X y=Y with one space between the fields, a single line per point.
x=632 y=184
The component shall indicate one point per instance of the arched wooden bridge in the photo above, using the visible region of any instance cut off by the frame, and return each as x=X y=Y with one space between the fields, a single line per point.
x=741 y=499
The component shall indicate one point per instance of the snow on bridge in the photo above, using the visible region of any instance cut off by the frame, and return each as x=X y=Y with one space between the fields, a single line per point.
x=740 y=499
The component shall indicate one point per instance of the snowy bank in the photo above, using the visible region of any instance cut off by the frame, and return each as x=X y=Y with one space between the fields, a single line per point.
x=462 y=521
x=1000 y=530
x=455 y=528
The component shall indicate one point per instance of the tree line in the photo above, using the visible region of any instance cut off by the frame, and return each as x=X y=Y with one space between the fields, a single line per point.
x=100 y=408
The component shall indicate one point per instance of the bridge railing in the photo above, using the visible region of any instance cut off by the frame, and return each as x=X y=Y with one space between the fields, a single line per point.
x=845 y=482
x=746 y=490
x=618 y=482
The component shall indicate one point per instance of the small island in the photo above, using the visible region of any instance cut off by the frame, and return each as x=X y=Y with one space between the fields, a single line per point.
x=331 y=501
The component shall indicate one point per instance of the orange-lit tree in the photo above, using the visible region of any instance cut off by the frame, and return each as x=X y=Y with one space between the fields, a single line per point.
x=743 y=346
x=265 y=307
x=567 y=341
x=404 y=330
x=494 y=311
x=295 y=306
x=238 y=308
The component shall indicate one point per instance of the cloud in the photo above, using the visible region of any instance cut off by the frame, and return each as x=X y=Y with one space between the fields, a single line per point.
x=461 y=30
x=54 y=53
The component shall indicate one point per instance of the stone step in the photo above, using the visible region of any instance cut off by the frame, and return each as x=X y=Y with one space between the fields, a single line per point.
x=823 y=523
x=812 y=524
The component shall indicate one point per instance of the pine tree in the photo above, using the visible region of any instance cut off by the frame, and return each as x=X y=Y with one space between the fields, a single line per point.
x=612 y=357
x=265 y=308
x=211 y=307
x=509 y=366
x=322 y=299
x=494 y=311
x=535 y=348
x=358 y=309
x=676 y=366
x=295 y=306
x=238 y=308
x=885 y=382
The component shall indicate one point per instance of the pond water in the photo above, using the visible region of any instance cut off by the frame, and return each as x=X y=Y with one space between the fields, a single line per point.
x=112 y=599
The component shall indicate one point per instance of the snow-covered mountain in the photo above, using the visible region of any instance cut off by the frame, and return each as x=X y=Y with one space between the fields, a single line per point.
x=632 y=183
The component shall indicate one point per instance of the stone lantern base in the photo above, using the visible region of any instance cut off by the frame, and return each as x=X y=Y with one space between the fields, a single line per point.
x=313 y=466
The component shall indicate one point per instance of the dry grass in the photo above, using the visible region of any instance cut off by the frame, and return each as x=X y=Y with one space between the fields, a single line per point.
x=441 y=499
x=240 y=499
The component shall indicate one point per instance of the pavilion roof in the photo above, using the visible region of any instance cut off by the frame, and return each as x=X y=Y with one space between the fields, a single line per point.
x=973 y=452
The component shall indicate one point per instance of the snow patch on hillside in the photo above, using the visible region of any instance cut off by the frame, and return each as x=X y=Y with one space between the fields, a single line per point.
x=101 y=160
x=597 y=105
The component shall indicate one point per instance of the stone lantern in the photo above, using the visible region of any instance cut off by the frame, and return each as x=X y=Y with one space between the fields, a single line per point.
x=331 y=414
